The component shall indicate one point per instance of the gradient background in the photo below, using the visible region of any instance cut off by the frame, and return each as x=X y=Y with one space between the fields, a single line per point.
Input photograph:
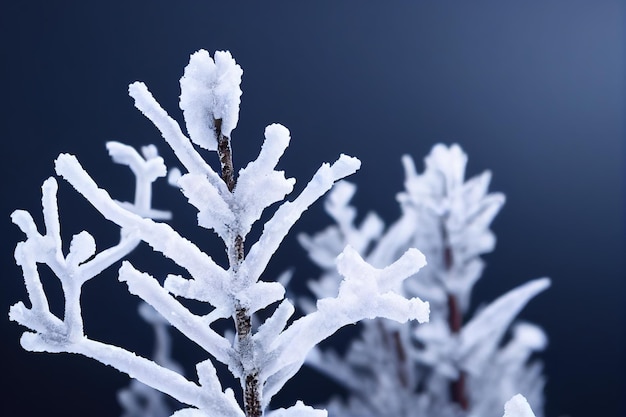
x=533 y=91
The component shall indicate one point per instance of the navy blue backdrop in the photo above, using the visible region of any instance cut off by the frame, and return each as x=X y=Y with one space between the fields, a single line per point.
x=533 y=91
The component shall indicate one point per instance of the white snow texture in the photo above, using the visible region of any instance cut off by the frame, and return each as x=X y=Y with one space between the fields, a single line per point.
x=518 y=407
x=209 y=91
x=453 y=366
x=262 y=355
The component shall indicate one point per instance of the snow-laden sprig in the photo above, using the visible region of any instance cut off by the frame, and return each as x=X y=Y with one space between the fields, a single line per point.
x=263 y=358
x=479 y=341
x=219 y=214
x=365 y=293
x=510 y=371
x=445 y=368
x=147 y=167
x=82 y=262
x=50 y=333
x=210 y=96
x=454 y=216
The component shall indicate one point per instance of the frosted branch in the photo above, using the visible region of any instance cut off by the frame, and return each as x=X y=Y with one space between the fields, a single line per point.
x=144 y=370
x=26 y=256
x=213 y=211
x=72 y=270
x=482 y=335
x=260 y=175
x=288 y=213
x=366 y=292
x=192 y=326
x=169 y=128
x=158 y=235
x=443 y=367
x=147 y=169
x=324 y=246
x=452 y=217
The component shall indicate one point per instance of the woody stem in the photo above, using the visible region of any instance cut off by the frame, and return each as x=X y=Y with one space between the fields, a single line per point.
x=243 y=321
x=458 y=390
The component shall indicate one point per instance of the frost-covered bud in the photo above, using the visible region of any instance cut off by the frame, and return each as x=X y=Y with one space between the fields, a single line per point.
x=210 y=91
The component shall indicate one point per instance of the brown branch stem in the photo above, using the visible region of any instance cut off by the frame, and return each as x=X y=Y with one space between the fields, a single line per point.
x=393 y=343
x=458 y=390
x=226 y=156
x=252 y=387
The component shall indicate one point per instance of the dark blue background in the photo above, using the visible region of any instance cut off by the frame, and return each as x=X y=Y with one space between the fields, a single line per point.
x=532 y=90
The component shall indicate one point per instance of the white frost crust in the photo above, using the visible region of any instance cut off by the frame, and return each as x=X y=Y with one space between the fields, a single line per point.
x=365 y=292
x=260 y=295
x=160 y=236
x=213 y=212
x=173 y=135
x=72 y=270
x=518 y=407
x=258 y=184
x=210 y=399
x=277 y=350
x=54 y=335
x=479 y=340
x=530 y=336
x=449 y=160
x=481 y=336
x=209 y=91
x=275 y=230
x=298 y=410
x=440 y=195
x=193 y=327
x=439 y=208
x=234 y=214
x=324 y=246
x=272 y=327
x=224 y=402
x=210 y=281
x=147 y=168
